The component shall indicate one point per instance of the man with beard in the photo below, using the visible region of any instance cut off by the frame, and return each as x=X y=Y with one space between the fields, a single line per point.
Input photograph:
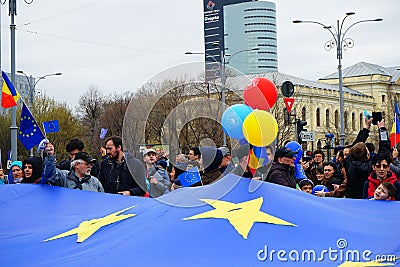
x=114 y=172
x=77 y=178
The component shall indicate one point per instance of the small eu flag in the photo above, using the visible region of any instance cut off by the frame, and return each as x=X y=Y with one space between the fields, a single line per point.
x=103 y=132
x=51 y=126
x=29 y=132
x=190 y=177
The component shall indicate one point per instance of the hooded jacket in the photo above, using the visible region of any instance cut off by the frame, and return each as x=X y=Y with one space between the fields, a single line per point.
x=36 y=163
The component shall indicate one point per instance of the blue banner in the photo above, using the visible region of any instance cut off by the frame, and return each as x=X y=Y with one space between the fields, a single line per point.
x=222 y=224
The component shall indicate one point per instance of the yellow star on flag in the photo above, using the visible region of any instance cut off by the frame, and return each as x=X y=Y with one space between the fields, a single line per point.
x=242 y=215
x=88 y=228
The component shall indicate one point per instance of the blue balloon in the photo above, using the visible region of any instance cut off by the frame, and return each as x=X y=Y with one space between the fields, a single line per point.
x=243 y=141
x=295 y=146
x=232 y=120
x=299 y=174
x=320 y=187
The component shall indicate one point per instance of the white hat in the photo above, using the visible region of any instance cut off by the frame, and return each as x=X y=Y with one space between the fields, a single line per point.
x=148 y=150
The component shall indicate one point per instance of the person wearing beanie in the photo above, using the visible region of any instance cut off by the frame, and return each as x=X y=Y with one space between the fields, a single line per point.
x=32 y=168
x=16 y=172
x=211 y=160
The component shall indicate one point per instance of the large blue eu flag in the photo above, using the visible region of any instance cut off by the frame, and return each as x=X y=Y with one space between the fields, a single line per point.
x=29 y=132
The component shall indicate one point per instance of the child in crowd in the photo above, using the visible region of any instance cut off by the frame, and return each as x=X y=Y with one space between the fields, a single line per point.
x=385 y=191
x=306 y=185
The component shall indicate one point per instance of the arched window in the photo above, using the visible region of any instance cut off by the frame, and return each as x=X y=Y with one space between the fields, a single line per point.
x=346 y=119
x=336 y=119
x=286 y=118
x=303 y=114
x=327 y=119
x=361 y=121
x=319 y=144
x=353 y=121
x=318 y=118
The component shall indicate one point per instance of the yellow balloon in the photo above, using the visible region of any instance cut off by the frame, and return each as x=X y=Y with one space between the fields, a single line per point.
x=260 y=128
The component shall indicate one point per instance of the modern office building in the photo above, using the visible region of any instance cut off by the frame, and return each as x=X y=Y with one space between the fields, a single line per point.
x=248 y=26
x=232 y=28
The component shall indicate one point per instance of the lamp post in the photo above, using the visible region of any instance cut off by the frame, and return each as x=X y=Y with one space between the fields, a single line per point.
x=339 y=40
x=13 y=128
x=224 y=62
x=32 y=88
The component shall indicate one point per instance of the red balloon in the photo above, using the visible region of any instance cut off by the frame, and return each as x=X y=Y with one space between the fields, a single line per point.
x=261 y=94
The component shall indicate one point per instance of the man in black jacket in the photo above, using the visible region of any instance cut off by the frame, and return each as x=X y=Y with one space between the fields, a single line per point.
x=114 y=173
x=357 y=164
x=282 y=169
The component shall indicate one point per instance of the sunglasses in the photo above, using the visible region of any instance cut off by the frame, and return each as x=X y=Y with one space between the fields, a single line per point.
x=381 y=166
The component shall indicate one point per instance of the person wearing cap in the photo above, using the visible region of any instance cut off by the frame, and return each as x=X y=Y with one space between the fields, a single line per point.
x=157 y=179
x=74 y=146
x=226 y=164
x=282 y=169
x=16 y=172
x=114 y=173
x=242 y=169
x=77 y=178
x=211 y=160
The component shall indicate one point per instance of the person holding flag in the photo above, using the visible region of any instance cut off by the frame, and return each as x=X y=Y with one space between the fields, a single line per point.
x=77 y=178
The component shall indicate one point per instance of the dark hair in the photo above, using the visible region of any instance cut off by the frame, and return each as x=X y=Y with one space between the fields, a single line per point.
x=381 y=156
x=117 y=141
x=196 y=151
x=332 y=164
x=319 y=169
x=319 y=151
x=371 y=147
x=341 y=154
x=390 y=188
x=74 y=144
x=304 y=182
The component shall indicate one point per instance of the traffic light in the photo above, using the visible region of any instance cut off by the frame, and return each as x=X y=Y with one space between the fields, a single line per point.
x=300 y=127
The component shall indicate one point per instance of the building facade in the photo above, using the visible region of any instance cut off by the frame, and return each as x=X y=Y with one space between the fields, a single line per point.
x=247 y=26
x=367 y=87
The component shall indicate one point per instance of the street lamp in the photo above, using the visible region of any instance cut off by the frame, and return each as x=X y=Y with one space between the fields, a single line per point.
x=33 y=86
x=341 y=43
x=223 y=70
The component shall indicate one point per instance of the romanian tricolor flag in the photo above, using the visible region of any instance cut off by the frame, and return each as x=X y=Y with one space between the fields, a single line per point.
x=258 y=157
x=395 y=133
x=9 y=95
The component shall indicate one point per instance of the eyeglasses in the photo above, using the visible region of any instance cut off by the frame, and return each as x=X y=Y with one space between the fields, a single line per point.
x=381 y=166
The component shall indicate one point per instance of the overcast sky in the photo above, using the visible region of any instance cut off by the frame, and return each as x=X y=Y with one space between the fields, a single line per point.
x=116 y=45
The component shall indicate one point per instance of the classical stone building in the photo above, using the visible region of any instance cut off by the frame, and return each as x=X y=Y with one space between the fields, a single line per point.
x=366 y=86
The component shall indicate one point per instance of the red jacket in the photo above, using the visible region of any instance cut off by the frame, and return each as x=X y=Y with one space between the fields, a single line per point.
x=373 y=182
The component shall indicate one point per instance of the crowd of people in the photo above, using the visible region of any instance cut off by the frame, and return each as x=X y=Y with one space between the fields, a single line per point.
x=355 y=172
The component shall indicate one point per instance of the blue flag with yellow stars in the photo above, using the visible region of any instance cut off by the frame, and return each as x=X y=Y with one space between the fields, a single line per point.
x=190 y=177
x=29 y=132
x=232 y=222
